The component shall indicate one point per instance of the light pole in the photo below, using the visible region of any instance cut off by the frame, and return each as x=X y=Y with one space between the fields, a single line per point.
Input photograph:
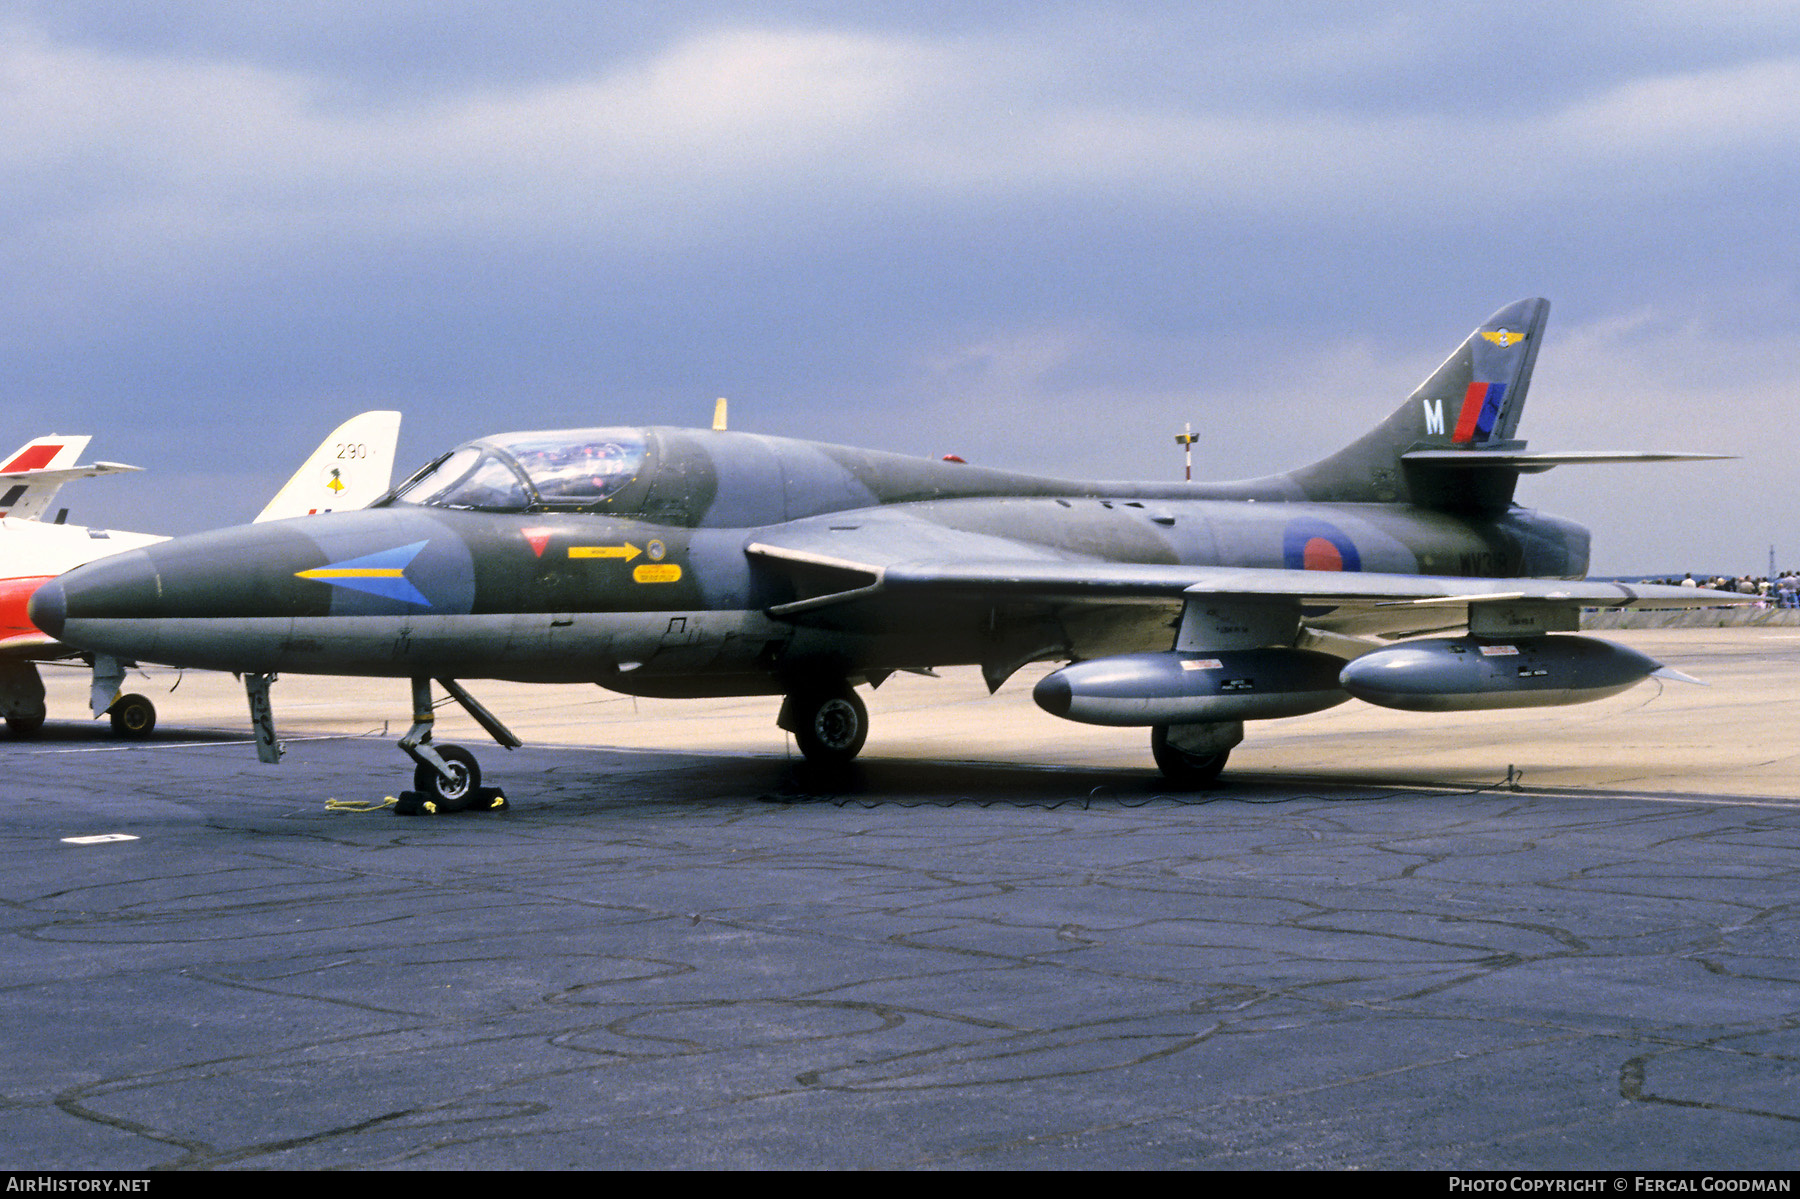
x=1185 y=439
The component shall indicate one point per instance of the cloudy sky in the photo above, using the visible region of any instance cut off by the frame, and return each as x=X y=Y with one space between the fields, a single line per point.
x=1042 y=236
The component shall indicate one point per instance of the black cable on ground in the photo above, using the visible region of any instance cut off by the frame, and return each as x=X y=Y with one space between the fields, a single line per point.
x=1185 y=799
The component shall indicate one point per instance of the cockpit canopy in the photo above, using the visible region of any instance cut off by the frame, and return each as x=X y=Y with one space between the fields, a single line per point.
x=560 y=470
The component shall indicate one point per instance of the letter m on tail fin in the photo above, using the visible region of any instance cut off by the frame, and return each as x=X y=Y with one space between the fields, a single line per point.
x=1472 y=402
x=1434 y=417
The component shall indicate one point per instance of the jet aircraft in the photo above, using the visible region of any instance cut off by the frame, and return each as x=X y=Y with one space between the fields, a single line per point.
x=351 y=467
x=676 y=562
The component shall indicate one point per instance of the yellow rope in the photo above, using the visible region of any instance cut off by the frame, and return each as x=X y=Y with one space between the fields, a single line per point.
x=496 y=804
x=351 y=805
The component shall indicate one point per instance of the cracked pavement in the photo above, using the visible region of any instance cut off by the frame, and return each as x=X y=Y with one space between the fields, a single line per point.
x=997 y=944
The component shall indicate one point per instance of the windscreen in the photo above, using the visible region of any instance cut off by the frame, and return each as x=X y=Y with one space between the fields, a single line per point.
x=518 y=472
x=576 y=466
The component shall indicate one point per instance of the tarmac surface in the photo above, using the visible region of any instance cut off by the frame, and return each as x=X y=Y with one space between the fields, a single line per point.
x=997 y=943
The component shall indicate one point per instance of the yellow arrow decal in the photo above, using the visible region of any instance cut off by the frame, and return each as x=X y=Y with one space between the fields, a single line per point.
x=627 y=551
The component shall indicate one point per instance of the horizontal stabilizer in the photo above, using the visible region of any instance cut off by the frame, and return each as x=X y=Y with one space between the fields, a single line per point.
x=91 y=470
x=1537 y=461
x=31 y=476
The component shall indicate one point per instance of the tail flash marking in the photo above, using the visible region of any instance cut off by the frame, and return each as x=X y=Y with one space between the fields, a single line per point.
x=1480 y=409
x=35 y=457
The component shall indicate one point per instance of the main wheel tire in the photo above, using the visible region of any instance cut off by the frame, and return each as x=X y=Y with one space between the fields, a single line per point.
x=1182 y=769
x=24 y=726
x=449 y=792
x=132 y=716
x=830 y=727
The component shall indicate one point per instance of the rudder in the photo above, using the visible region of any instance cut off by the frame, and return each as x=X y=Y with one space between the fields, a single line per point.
x=1473 y=401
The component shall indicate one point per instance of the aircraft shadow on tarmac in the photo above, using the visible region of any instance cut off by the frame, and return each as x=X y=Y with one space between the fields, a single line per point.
x=99 y=732
x=573 y=778
x=873 y=782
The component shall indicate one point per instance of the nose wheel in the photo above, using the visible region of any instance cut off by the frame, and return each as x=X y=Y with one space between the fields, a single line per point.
x=459 y=784
x=448 y=775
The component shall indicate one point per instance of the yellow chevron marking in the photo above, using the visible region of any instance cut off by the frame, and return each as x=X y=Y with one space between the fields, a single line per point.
x=362 y=572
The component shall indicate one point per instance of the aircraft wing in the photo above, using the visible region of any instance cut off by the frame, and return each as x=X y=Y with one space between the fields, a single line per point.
x=933 y=566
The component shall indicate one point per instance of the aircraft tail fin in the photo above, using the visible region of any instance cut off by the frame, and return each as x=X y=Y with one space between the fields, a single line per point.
x=1468 y=406
x=351 y=469
x=31 y=475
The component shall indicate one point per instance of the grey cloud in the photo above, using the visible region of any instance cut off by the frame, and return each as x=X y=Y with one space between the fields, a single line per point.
x=922 y=231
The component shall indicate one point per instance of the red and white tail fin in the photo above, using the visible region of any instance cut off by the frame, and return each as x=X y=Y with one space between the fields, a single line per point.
x=31 y=475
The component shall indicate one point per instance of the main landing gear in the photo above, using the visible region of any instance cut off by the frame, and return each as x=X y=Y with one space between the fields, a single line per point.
x=1191 y=756
x=829 y=723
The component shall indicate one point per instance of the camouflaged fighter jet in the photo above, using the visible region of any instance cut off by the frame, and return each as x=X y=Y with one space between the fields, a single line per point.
x=678 y=562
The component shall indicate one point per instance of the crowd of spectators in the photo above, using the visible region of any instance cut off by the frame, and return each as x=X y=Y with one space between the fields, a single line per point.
x=1783 y=591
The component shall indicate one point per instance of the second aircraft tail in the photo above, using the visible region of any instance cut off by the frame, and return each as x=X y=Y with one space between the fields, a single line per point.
x=351 y=469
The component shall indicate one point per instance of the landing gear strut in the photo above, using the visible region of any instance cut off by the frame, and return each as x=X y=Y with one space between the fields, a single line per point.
x=132 y=715
x=829 y=724
x=447 y=774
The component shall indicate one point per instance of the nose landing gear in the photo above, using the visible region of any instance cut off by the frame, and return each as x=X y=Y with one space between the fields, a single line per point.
x=448 y=776
x=132 y=715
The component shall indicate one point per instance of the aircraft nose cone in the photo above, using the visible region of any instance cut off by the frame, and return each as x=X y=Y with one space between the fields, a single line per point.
x=119 y=585
x=82 y=607
x=47 y=608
